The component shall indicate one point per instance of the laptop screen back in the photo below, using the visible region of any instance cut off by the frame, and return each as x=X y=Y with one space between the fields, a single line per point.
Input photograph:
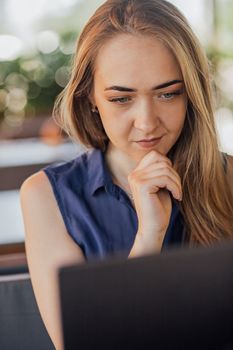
x=179 y=299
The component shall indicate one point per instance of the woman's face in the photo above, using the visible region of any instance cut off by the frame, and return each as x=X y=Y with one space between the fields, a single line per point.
x=139 y=92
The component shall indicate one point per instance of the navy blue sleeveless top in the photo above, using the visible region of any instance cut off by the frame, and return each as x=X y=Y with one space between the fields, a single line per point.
x=98 y=214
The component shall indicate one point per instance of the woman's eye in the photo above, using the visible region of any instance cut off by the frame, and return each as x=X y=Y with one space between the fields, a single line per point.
x=120 y=100
x=169 y=95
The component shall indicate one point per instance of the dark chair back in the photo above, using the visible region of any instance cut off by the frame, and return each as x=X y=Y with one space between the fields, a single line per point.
x=21 y=326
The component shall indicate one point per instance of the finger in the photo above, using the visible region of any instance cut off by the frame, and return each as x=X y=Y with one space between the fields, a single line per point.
x=159 y=169
x=167 y=182
x=152 y=156
x=153 y=171
x=154 y=184
x=171 y=177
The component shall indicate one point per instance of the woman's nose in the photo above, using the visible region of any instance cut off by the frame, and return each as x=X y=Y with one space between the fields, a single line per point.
x=146 y=117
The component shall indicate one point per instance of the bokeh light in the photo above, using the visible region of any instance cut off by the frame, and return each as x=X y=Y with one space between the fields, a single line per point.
x=3 y=99
x=16 y=80
x=68 y=47
x=14 y=120
x=62 y=76
x=16 y=100
x=47 y=41
x=224 y=78
x=10 y=47
x=30 y=65
x=44 y=76
x=224 y=123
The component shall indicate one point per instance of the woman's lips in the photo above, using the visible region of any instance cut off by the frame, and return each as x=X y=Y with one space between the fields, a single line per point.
x=149 y=144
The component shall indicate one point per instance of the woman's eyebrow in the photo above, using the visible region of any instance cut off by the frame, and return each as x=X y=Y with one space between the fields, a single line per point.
x=161 y=86
x=157 y=87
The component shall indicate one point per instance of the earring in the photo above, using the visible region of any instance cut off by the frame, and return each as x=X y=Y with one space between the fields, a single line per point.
x=94 y=109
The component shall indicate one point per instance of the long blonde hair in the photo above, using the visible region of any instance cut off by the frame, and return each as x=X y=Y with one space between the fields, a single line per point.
x=207 y=205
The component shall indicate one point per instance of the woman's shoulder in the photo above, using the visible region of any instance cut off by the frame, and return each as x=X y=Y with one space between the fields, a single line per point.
x=42 y=185
x=36 y=186
x=39 y=187
x=37 y=201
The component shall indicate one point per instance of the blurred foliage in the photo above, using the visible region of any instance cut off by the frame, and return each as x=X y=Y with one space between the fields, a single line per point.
x=41 y=76
x=220 y=52
x=30 y=84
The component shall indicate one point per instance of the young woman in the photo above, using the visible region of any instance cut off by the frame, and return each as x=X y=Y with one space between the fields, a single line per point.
x=140 y=98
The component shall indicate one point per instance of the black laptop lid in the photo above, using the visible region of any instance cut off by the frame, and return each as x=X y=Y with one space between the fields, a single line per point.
x=179 y=299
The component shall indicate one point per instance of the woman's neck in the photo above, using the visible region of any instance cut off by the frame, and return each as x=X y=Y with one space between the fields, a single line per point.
x=120 y=165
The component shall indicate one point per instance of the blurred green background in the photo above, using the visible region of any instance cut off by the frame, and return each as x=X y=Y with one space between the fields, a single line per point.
x=37 y=41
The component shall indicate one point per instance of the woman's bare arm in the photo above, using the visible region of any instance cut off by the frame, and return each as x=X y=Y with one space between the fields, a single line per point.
x=48 y=246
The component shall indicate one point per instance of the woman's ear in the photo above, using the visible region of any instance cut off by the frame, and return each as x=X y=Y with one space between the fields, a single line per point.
x=91 y=98
x=94 y=108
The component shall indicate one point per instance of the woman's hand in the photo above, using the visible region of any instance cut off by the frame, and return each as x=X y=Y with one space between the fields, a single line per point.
x=150 y=183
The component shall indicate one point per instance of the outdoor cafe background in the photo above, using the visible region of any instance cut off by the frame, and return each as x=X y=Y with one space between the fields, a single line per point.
x=37 y=40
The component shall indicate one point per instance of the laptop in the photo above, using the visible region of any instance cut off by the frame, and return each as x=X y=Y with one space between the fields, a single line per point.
x=181 y=298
